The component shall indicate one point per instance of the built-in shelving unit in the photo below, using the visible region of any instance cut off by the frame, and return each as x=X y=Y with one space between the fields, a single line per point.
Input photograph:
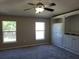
x=66 y=36
x=72 y=25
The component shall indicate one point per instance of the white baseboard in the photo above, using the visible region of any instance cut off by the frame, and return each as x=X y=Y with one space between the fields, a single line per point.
x=77 y=53
x=71 y=51
x=24 y=46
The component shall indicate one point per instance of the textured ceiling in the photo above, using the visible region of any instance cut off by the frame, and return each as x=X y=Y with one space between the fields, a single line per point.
x=16 y=7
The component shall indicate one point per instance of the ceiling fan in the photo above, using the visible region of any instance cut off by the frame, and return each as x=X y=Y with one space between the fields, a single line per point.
x=40 y=7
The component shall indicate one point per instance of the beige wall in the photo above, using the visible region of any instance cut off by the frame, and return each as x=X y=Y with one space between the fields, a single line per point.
x=25 y=31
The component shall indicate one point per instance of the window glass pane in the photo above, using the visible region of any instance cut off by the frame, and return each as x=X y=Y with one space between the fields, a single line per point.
x=9 y=25
x=9 y=36
x=39 y=26
x=9 y=31
x=39 y=35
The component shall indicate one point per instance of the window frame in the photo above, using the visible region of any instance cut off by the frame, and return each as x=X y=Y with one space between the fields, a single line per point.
x=40 y=30
x=3 y=31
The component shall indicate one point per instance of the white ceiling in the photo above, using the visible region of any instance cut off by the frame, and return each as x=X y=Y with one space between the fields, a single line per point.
x=16 y=7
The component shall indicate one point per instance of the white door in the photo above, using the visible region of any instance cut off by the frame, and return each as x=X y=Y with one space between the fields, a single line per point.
x=57 y=33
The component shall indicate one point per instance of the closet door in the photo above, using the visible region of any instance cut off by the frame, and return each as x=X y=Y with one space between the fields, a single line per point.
x=57 y=34
x=76 y=44
x=67 y=42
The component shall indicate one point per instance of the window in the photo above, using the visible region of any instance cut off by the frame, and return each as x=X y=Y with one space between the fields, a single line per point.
x=40 y=30
x=9 y=31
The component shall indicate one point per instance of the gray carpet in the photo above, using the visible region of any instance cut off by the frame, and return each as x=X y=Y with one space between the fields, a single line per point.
x=38 y=52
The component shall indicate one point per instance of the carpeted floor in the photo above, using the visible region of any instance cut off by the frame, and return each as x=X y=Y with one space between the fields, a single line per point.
x=38 y=52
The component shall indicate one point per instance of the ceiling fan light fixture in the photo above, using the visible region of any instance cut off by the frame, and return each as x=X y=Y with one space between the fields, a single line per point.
x=39 y=9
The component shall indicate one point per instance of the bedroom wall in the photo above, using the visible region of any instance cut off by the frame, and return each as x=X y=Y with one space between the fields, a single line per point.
x=25 y=31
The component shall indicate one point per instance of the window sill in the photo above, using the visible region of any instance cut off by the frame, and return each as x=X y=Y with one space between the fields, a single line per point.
x=9 y=42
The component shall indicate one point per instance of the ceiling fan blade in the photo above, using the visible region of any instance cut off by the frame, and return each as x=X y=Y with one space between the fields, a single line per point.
x=52 y=4
x=48 y=9
x=31 y=4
